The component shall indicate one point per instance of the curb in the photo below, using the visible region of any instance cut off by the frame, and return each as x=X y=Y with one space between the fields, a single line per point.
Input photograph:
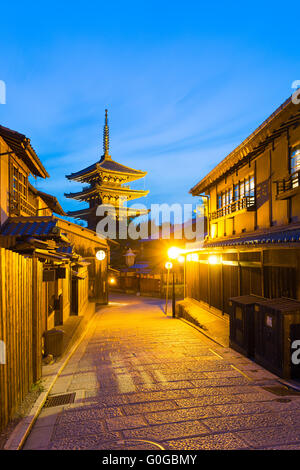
x=201 y=331
x=19 y=435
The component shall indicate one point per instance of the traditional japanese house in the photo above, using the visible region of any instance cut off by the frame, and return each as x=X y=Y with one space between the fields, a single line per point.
x=253 y=194
x=51 y=274
x=106 y=181
x=73 y=276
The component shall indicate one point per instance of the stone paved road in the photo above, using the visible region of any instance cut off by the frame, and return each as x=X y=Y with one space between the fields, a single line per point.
x=145 y=381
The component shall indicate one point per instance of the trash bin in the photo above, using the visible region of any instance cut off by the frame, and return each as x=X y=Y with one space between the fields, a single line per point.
x=54 y=342
x=241 y=337
x=277 y=326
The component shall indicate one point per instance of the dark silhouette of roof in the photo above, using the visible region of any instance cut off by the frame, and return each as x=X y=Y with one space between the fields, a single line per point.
x=20 y=145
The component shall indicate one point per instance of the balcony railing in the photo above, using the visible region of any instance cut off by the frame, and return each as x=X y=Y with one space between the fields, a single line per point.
x=288 y=184
x=18 y=205
x=247 y=202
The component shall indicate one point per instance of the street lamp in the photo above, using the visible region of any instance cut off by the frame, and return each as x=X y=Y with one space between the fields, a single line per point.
x=174 y=253
x=100 y=255
x=168 y=266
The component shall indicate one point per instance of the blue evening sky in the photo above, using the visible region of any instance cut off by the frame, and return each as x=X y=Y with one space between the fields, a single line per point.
x=184 y=81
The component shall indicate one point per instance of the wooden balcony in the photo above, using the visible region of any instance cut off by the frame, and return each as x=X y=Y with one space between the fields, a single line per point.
x=246 y=203
x=18 y=205
x=288 y=187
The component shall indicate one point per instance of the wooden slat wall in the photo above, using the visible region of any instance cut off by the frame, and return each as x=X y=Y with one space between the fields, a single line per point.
x=21 y=310
x=215 y=284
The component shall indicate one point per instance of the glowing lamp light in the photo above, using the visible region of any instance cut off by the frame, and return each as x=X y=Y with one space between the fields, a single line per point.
x=112 y=280
x=174 y=252
x=213 y=259
x=168 y=265
x=100 y=255
x=181 y=259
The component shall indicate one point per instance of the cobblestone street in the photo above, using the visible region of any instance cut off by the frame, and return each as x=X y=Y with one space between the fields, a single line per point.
x=144 y=381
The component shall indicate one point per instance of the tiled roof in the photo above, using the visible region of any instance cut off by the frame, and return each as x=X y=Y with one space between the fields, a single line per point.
x=276 y=237
x=21 y=146
x=30 y=226
x=52 y=203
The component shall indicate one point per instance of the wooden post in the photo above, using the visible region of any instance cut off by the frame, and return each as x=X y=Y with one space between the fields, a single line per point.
x=168 y=275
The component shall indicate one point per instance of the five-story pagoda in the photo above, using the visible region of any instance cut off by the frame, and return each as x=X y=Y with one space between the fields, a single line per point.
x=106 y=179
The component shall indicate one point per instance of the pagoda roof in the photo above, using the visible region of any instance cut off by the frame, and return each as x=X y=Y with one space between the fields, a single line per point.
x=100 y=189
x=106 y=165
x=126 y=211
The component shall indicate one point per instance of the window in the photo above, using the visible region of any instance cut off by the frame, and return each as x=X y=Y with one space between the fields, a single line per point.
x=19 y=183
x=247 y=187
x=295 y=160
x=295 y=166
x=252 y=186
x=242 y=189
x=236 y=192
x=18 y=196
x=226 y=198
x=239 y=191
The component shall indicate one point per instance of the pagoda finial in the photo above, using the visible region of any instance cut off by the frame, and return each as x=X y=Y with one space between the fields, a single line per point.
x=106 y=137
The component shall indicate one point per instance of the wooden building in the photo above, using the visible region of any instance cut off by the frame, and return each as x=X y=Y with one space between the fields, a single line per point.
x=253 y=240
x=73 y=275
x=106 y=179
x=50 y=276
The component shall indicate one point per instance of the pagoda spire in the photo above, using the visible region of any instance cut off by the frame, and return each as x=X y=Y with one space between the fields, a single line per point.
x=106 y=138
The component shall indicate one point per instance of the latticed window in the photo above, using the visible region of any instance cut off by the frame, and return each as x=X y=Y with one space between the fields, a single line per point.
x=18 y=197
x=295 y=166
x=19 y=183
